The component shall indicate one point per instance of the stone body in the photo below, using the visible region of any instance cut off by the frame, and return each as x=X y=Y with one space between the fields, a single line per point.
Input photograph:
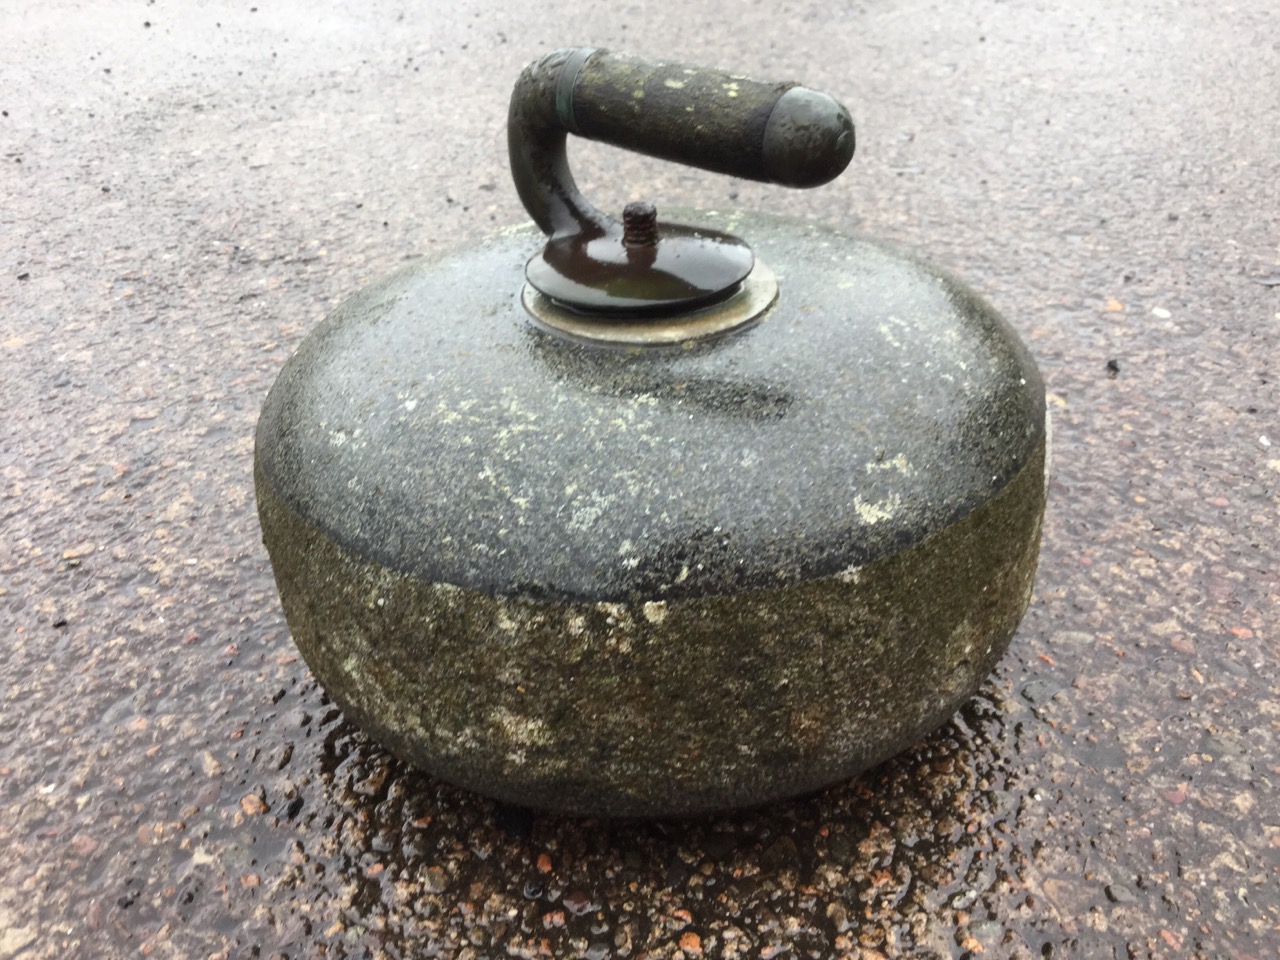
x=656 y=581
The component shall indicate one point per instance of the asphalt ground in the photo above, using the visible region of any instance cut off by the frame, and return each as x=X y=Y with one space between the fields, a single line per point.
x=185 y=191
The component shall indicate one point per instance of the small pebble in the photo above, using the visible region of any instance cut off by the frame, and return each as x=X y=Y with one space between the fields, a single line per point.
x=987 y=930
x=691 y=943
x=436 y=880
x=1038 y=692
x=1119 y=894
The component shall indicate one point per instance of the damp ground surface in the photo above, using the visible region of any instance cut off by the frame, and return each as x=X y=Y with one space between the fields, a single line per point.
x=186 y=190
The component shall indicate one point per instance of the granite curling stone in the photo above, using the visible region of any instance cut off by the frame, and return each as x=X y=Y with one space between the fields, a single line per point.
x=629 y=565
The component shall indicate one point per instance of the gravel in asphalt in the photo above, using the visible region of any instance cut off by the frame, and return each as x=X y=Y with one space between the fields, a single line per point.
x=188 y=188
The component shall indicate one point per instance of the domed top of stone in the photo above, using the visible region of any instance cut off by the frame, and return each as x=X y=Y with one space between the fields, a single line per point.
x=430 y=426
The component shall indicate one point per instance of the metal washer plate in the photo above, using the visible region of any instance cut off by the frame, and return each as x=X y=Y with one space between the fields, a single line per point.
x=759 y=291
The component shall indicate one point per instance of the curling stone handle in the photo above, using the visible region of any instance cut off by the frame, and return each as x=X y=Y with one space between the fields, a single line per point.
x=779 y=133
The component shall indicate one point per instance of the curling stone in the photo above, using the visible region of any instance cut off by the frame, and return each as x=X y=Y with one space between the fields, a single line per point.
x=650 y=518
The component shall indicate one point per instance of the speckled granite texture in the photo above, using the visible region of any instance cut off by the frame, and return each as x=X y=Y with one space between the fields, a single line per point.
x=656 y=707
x=656 y=581
x=185 y=201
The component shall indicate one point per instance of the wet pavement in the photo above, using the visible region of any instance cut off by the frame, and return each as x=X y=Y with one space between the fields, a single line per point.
x=188 y=188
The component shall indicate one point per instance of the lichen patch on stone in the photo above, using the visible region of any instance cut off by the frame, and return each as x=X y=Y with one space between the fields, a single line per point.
x=878 y=511
x=655 y=611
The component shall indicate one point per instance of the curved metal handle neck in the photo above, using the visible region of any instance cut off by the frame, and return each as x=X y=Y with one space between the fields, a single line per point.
x=536 y=139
